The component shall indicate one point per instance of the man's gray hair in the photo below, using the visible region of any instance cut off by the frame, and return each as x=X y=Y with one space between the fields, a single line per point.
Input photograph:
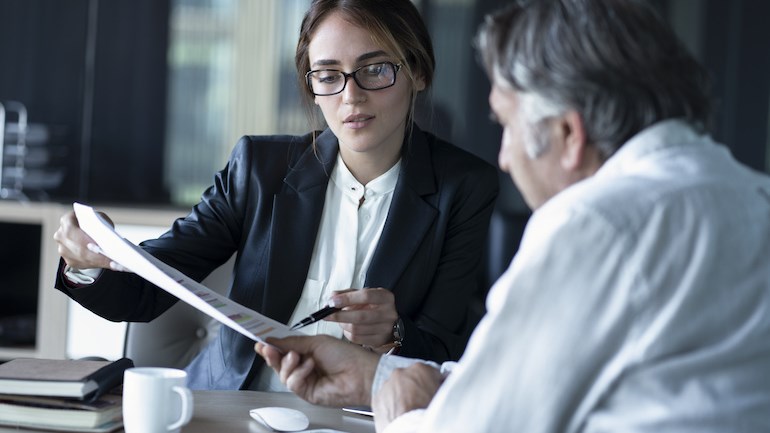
x=615 y=62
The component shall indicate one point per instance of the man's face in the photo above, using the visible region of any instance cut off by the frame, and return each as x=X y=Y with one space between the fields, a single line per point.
x=537 y=178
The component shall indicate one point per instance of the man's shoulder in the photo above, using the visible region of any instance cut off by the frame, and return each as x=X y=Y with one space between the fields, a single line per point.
x=620 y=202
x=635 y=200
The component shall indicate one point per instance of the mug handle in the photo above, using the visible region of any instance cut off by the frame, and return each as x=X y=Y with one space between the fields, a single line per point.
x=186 y=396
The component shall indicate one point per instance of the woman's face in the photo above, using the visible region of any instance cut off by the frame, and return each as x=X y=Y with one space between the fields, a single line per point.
x=368 y=123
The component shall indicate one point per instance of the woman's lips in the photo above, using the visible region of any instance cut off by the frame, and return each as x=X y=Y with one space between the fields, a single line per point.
x=357 y=121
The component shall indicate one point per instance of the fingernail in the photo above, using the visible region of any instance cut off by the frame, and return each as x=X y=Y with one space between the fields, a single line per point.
x=335 y=302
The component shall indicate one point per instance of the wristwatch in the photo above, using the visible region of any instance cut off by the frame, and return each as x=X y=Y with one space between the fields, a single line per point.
x=398 y=332
x=393 y=347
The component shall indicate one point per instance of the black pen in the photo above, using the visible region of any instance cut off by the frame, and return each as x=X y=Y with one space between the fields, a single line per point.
x=318 y=315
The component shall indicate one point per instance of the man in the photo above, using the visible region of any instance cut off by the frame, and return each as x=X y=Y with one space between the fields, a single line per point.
x=639 y=300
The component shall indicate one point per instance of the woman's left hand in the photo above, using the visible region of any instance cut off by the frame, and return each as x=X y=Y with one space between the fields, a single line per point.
x=367 y=315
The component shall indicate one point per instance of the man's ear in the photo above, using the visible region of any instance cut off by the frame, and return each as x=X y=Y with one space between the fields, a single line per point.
x=573 y=136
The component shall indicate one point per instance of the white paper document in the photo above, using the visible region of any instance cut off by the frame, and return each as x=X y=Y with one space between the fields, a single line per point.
x=244 y=320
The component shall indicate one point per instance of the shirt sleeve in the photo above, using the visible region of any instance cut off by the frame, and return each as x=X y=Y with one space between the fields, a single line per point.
x=389 y=363
x=554 y=328
x=410 y=421
x=81 y=276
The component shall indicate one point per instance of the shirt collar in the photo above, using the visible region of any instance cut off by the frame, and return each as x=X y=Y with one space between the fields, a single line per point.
x=344 y=180
x=667 y=134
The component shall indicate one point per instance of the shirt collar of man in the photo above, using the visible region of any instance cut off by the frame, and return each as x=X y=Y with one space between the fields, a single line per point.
x=665 y=134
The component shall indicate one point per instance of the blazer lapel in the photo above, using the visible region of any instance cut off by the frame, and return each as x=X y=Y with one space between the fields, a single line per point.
x=297 y=214
x=409 y=217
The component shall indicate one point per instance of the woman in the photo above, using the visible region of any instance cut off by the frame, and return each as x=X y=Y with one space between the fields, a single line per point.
x=370 y=202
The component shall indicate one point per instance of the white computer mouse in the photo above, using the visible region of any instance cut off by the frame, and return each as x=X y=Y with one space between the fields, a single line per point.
x=280 y=418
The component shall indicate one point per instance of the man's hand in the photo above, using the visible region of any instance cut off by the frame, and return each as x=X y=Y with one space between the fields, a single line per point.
x=367 y=316
x=77 y=248
x=407 y=389
x=321 y=369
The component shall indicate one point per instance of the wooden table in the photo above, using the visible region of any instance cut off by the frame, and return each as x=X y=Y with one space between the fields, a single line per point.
x=228 y=412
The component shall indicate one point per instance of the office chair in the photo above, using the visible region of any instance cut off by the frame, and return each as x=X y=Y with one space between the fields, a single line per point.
x=176 y=336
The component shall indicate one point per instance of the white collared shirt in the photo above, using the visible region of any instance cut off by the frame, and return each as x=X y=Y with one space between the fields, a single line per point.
x=347 y=237
x=639 y=301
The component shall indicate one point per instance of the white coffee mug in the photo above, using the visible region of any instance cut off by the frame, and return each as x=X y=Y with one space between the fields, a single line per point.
x=156 y=400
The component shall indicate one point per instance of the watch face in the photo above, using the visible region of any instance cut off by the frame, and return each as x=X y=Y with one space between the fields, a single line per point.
x=398 y=330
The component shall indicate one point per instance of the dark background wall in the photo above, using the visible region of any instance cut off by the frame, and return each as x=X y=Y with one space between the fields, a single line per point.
x=731 y=38
x=96 y=72
x=736 y=48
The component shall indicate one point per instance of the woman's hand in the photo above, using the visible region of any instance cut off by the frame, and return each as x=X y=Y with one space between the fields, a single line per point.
x=367 y=315
x=77 y=248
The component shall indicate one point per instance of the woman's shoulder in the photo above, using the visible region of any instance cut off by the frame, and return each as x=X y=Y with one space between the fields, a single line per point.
x=270 y=151
x=265 y=160
x=273 y=143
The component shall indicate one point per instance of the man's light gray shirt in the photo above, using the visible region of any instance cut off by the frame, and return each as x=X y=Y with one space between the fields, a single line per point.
x=639 y=302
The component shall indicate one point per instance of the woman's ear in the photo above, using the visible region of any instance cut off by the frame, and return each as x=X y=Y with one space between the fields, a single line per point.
x=419 y=83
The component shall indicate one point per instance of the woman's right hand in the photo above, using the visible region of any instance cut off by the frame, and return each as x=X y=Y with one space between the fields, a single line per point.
x=77 y=248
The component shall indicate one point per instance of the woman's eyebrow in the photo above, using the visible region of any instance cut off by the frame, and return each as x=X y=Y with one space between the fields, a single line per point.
x=361 y=58
x=371 y=55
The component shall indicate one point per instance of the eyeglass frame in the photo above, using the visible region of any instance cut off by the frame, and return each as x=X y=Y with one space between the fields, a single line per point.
x=396 y=67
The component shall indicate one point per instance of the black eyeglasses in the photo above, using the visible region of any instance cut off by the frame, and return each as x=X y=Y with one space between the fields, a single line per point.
x=376 y=76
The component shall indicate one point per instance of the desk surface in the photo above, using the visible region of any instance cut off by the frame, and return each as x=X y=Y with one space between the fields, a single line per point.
x=228 y=412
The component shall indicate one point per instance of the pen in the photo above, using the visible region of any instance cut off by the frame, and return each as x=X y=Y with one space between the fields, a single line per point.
x=318 y=315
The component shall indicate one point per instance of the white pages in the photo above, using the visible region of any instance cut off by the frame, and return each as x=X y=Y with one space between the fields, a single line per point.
x=244 y=320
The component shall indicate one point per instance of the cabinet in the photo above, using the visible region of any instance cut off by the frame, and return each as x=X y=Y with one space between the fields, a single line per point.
x=28 y=253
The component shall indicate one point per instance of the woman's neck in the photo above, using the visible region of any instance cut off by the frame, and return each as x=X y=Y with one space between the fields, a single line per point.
x=365 y=167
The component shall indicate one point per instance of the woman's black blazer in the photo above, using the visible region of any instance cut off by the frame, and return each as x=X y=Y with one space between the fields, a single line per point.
x=266 y=205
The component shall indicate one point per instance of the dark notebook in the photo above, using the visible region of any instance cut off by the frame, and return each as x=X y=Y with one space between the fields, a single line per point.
x=82 y=379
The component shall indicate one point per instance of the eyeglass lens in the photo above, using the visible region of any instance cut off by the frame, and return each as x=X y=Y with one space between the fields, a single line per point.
x=370 y=77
